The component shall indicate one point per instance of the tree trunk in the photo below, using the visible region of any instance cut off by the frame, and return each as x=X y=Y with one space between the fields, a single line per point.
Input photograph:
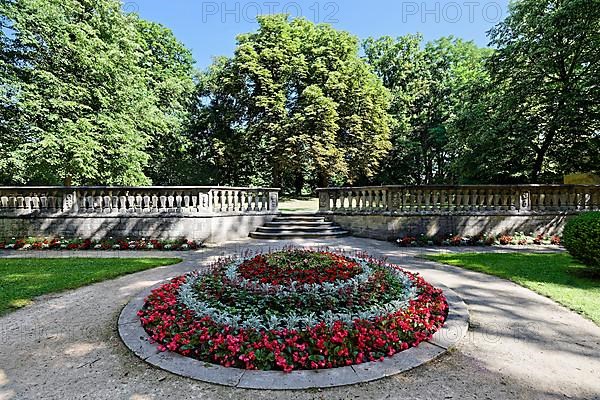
x=299 y=183
x=541 y=155
x=275 y=176
x=323 y=180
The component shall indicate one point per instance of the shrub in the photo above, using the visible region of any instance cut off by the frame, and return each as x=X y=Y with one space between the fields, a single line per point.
x=581 y=238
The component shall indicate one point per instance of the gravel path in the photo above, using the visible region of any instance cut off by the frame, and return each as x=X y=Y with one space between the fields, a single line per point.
x=520 y=345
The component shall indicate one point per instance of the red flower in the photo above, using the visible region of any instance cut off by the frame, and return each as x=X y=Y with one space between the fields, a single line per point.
x=175 y=328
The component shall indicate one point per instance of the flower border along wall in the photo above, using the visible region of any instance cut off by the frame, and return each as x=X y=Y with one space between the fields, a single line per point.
x=291 y=313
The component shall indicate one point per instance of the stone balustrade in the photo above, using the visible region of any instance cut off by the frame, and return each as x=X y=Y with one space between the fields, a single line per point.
x=390 y=212
x=138 y=200
x=212 y=214
x=459 y=199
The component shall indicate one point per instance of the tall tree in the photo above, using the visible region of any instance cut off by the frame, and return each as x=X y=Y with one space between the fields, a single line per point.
x=224 y=154
x=427 y=83
x=544 y=97
x=90 y=94
x=168 y=67
x=82 y=101
x=305 y=104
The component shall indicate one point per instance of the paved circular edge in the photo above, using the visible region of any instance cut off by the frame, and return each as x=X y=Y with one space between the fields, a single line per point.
x=136 y=339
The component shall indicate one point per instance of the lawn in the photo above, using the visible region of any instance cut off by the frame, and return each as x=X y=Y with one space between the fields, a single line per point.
x=556 y=276
x=22 y=279
x=301 y=204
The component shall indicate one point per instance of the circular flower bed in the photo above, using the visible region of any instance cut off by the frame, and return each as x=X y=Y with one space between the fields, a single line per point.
x=294 y=309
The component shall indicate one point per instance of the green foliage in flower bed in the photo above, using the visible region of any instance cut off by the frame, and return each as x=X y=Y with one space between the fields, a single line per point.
x=556 y=276
x=381 y=287
x=582 y=238
x=22 y=279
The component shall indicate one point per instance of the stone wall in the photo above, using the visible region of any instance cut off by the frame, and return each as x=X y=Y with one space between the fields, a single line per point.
x=210 y=228
x=212 y=214
x=389 y=212
x=391 y=227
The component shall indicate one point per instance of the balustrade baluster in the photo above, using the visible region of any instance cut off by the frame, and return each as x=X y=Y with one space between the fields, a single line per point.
x=250 y=201
x=35 y=202
x=459 y=200
x=265 y=201
x=236 y=201
x=363 y=200
x=427 y=200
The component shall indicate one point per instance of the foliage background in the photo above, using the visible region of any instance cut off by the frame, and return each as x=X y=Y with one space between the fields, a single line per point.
x=90 y=94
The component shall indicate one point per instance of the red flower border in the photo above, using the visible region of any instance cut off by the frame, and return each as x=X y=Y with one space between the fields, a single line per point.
x=103 y=244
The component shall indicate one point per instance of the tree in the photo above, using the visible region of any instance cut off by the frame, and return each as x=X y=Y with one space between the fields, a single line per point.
x=223 y=152
x=299 y=96
x=90 y=94
x=427 y=84
x=543 y=97
x=169 y=72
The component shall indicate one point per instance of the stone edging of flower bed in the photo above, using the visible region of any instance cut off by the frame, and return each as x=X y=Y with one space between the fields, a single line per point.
x=136 y=339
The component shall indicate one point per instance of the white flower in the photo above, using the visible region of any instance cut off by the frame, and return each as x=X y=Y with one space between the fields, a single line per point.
x=116 y=246
x=10 y=246
x=184 y=247
x=98 y=246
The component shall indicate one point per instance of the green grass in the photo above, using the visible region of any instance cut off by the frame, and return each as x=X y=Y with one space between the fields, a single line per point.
x=556 y=276
x=22 y=279
x=306 y=204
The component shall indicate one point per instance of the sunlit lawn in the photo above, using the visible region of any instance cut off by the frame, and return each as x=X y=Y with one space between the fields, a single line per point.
x=556 y=276
x=299 y=205
x=22 y=279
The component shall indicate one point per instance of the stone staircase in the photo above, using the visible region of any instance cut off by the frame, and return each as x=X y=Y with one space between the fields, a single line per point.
x=298 y=225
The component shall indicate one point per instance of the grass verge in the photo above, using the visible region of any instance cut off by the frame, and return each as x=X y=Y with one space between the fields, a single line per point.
x=22 y=279
x=556 y=276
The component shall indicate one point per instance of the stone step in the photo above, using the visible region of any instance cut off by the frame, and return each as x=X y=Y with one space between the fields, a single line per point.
x=299 y=218
x=297 y=235
x=298 y=214
x=290 y=229
x=283 y=224
x=299 y=225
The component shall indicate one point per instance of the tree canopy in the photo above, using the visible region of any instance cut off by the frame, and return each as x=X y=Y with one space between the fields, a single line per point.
x=301 y=102
x=87 y=90
x=90 y=94
x=428 y=83
x=542 y=100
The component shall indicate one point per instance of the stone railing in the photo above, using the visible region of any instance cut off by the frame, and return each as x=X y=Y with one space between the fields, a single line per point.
x=138 y=200
x=470 y=199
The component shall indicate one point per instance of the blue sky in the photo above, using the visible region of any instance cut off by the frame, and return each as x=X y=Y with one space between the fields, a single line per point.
x=209 y=28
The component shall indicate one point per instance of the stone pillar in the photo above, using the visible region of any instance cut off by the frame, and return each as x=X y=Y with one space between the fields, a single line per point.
x=324 y=201
x=525 y=201
x=273 y=201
